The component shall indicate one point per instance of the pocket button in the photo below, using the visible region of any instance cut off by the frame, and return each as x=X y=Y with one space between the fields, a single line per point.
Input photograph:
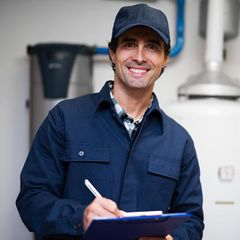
x=81 y=153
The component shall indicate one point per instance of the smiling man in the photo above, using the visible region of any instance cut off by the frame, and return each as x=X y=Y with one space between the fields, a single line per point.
x=138 y=59
x=136 y=156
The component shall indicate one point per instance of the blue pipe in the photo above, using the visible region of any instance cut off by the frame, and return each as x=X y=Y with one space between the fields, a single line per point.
x=101 y=50
x=176 y=49
x=179 y=29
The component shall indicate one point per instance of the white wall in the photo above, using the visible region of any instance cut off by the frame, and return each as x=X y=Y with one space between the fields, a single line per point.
x=24 y=22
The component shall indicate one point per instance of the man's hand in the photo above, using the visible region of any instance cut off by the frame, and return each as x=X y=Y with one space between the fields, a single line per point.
x=168 y=237
x=100 y=207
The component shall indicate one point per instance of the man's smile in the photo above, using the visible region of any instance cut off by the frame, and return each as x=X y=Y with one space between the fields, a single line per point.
x=138 y=70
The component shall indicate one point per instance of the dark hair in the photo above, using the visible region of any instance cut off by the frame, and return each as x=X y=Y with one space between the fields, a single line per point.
x=114 y=44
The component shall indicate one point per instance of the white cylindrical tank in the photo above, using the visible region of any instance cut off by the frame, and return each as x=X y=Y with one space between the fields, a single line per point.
x=58 y=71
x=214 y=125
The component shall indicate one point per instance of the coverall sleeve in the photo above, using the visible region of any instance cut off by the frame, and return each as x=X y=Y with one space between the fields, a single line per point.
x=40 y=202
x=188 y=196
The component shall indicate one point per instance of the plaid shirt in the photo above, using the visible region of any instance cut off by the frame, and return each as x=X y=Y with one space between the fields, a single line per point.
x=129 y=123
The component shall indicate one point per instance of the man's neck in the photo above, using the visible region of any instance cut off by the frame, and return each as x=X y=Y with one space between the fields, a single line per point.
x=134 y=101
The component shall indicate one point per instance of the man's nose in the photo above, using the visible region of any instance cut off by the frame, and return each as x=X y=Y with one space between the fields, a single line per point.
x=140 y=55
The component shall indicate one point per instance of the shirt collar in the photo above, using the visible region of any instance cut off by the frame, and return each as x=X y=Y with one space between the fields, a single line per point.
x=120 y=111
x=103 y=99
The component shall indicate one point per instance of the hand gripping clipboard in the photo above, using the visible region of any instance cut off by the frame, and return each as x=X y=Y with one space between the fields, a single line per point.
x=131 y=228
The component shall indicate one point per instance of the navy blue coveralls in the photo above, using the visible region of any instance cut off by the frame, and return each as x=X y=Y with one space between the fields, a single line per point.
x=84 y=138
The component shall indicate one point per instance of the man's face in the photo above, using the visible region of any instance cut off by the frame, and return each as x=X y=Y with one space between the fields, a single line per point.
x=139 y=58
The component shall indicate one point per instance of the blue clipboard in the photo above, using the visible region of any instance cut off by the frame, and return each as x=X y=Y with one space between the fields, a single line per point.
x=130 y=228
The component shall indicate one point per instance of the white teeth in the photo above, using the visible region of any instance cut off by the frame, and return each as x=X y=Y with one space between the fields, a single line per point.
x=137 y=70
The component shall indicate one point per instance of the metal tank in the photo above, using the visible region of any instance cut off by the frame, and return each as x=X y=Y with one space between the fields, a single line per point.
x=209 y=108
x=58 y=71
x=214 y=126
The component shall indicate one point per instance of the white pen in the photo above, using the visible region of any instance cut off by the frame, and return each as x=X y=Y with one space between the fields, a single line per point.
x=125 y=214
x=92 y=188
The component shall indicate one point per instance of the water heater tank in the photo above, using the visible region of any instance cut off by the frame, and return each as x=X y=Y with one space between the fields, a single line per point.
x=58 y=71
x=214 y=125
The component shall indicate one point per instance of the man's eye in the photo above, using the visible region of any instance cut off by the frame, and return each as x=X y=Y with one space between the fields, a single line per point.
x=129 y=45
x=153 y=47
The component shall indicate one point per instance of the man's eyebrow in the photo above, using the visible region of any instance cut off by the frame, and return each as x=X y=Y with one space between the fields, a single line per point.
x=127 y=39
x=158 y=42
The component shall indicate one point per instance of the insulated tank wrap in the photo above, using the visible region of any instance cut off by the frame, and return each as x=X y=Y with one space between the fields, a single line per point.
x=214 y=125
x=58 y=71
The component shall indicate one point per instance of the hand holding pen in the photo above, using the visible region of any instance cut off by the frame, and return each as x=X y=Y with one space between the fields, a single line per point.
x=103 y=207
x=123 y=213
x=99 y=207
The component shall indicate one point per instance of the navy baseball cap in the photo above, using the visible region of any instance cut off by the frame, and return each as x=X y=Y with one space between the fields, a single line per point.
x=141 y=15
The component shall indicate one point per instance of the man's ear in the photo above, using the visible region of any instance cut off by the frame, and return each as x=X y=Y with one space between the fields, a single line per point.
x=112 y=55
x=166 y=58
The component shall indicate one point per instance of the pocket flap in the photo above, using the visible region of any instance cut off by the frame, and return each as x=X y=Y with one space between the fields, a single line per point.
x=87 y=153
x=163 y=166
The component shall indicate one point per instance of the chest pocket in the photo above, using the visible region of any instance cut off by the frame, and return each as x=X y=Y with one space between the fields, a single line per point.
x=88 y=153
x=163 y=166
x=85 y=161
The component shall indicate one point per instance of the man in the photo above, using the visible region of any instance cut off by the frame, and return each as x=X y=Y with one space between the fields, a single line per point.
x=119 y=139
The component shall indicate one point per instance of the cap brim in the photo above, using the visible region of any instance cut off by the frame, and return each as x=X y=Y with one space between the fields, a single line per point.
x=127 y=27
